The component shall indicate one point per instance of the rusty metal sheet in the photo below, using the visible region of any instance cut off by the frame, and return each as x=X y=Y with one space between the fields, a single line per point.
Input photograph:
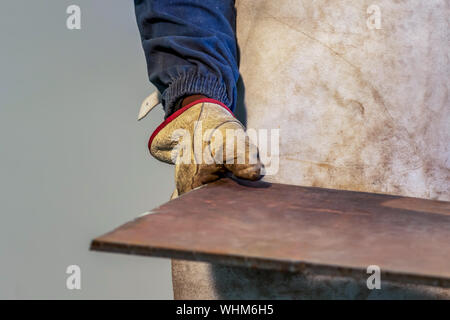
x=292 y=228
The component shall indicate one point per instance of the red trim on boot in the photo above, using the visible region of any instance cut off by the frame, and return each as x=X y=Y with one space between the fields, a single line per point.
x=180 y=111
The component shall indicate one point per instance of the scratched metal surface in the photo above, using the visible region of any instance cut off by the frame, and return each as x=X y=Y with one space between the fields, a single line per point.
x=297 y=229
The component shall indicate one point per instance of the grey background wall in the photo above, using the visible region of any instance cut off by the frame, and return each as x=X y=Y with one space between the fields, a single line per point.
x=73 y=159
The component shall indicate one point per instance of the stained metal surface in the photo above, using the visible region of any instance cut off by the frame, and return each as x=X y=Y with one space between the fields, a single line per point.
x=298 y=229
